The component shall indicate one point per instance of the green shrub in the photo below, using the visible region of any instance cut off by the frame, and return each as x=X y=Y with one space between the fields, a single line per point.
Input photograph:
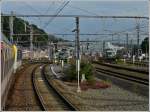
x=85 y=68
x=71 y=72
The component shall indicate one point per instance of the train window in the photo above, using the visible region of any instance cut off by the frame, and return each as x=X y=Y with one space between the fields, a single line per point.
x=6 y=61
x=9 y=61
x=2 y=65
x=10 y=65
x=10 y=57
x=5 y=67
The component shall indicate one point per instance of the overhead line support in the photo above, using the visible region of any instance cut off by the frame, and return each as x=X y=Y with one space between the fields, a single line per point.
x=80 y=16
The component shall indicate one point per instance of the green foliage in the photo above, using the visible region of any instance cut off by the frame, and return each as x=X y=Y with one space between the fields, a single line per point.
x=145 y=45
x=19 y=28
x=71 y=72
x=85 y=68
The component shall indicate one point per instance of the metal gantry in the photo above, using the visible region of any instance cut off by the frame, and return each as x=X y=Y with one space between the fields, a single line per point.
x=84 y=34
x=70 y=16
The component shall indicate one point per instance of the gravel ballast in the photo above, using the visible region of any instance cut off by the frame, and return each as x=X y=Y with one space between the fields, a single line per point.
x=110 y=99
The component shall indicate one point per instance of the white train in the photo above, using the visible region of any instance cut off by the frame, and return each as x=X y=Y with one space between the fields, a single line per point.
x=11 y=59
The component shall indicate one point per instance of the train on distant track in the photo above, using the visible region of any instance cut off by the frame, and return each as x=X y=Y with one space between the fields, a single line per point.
x=109 y=55
x=11 y=60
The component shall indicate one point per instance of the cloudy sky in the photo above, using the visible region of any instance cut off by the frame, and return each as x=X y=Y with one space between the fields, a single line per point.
x=82 y=7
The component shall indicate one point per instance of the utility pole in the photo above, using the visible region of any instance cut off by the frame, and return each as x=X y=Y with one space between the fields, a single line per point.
x=146 y=53
x=49 y=49
x=124 y=42
x=138 y=34
x=25 y=27
x=118 y=39
x=31 y=43
x=87 y=44
x=17 y=41
x=138 y=37
x=2 y=24
x=112 y=38
x=76 y=48
x=11 y=26
x=131 y=46
x=103 y=46
x=82 y=48
x=75 y=55
x=78 y=52
x=127 y=37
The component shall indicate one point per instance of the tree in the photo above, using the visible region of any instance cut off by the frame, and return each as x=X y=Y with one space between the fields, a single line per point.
x=145 y=45
x=19 y=28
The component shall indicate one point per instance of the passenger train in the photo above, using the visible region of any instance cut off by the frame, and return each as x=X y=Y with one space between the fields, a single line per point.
x=109 y=55
x=11 y=60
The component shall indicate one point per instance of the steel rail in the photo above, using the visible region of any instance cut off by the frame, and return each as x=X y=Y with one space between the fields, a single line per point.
x=39 y=96
x=121 y=67
x=124 y=76
x=40 y=100
x=57 y=92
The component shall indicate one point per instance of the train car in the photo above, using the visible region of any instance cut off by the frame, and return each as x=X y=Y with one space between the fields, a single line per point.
x=8 y=66
x=109 y=55
x=17 y=57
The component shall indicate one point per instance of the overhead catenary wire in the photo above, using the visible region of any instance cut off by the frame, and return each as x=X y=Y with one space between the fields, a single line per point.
x=56 y=14
x=34 y=10
x=84 y=10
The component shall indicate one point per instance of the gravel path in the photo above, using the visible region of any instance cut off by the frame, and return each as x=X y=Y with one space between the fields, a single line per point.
x=110 y=99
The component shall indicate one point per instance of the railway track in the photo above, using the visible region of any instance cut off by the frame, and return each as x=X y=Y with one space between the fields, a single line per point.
x=21 y=96
x=124 y=76
x=144 y=71
x=138 y=63
x=48 y=96
x=35 y=88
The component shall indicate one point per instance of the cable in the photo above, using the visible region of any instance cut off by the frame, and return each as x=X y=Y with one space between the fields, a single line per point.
x=84 y=10
x=56 y=14
x=49 y=7
x=32 y=8
x=36 y=11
